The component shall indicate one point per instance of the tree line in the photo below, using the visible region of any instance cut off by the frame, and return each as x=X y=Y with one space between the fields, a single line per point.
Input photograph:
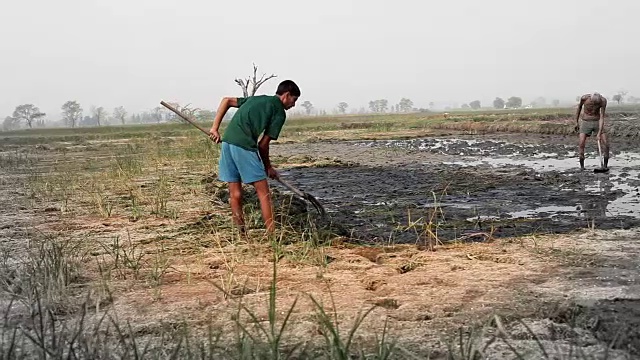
x=73 y=114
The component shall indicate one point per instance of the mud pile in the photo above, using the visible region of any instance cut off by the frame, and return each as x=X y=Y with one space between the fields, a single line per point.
x=615 y=322
x=605 y=329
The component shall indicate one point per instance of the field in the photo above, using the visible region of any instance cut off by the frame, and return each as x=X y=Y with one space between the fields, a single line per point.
x=446 y=238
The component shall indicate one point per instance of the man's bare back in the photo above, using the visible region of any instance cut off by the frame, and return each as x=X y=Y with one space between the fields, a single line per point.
x=591 y=108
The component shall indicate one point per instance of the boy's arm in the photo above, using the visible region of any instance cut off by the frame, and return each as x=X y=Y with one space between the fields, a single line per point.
x=271 y=133
x=225 y=104
x=263 y=148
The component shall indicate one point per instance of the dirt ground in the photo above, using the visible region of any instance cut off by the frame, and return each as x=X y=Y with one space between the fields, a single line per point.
x=497 y=239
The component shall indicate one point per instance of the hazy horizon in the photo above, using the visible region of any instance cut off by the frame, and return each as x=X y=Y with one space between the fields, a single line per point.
x=134 y=54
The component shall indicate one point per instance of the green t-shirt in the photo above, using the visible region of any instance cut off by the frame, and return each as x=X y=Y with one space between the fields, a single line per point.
x=255 y=114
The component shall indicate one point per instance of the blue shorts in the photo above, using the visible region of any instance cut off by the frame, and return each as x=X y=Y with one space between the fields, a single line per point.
x=240 y=165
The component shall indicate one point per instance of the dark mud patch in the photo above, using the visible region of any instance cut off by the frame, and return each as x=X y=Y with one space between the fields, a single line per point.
x=538 y=147
x=473 y=189
x=615 y=322
x=402 y=204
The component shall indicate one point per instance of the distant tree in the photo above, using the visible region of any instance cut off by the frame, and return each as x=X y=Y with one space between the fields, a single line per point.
x=405 y=105
x=120 y=114
x=205 y=115
x=71 y=113
x=475 y=105
x=379 y=106
x=498 y=103
x=253 y=81
x=556 y=102
x=617 y=98
x=342 y=107
x=539 y=102
x=633 y=100
x=28 y=113
x=187 y=110
x=9 y=124
x=621 y=95
x=431 y=105
x=514 y=102
x=308 y=107
x=383 y=105
x=466 y=106
x=157 y=114
x=88 y=121
x=146 y=117
x=99 y=114
x=168 y=115
x=161 y=114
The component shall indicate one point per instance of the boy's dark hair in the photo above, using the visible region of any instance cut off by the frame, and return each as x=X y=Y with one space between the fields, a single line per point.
x=288 y=86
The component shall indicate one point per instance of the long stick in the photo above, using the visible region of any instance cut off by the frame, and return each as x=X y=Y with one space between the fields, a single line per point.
x=600 y=153
x=179 y=113
x=602 y=169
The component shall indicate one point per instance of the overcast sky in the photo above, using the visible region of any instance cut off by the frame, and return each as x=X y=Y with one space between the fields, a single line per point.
x=137 y=52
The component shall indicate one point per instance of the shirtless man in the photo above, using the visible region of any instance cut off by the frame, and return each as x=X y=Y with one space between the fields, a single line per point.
x=592 y=122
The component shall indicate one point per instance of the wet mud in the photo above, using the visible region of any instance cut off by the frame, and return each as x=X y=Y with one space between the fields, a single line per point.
x=615 y=322
x=456 y=188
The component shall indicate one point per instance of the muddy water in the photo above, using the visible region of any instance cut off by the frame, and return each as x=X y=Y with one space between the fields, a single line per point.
x=459 y=186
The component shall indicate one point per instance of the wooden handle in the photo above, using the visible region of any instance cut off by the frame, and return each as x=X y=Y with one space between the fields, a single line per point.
x=291 y=187
x=600 y=153
x=177 y=112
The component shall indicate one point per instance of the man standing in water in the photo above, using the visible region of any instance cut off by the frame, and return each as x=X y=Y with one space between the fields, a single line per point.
x=592 y=122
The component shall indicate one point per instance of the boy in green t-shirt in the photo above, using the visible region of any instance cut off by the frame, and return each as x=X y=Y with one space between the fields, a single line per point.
x=244 y=159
